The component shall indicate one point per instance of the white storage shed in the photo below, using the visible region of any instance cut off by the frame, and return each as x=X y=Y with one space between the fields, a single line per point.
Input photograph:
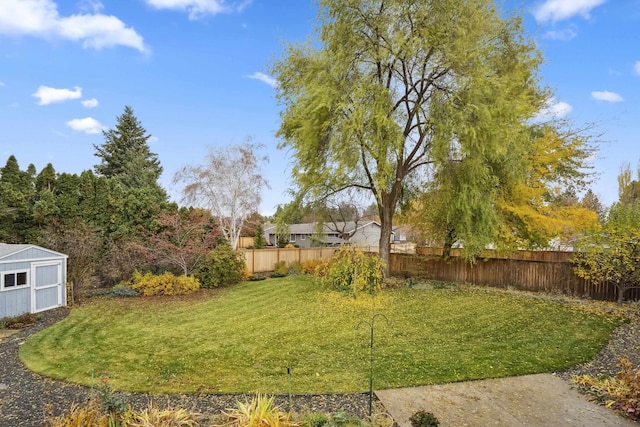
x=32 y=279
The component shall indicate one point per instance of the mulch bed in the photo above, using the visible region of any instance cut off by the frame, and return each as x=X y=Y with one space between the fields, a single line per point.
x=27 y=398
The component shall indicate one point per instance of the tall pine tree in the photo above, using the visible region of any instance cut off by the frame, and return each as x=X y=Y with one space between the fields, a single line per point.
x=17 y=195
x=126 y=157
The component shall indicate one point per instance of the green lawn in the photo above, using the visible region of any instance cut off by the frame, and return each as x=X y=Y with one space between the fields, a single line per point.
x=242 y=339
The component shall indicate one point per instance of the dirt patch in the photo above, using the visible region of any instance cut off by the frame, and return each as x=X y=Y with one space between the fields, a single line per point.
x=6 y=333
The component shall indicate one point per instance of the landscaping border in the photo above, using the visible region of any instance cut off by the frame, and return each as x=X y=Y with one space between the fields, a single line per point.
x=27 y=398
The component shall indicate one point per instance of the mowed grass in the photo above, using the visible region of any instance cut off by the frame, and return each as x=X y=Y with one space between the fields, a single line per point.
x=242 y=339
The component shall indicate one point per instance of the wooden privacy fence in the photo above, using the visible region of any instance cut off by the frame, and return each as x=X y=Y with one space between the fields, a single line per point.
x=536 y=271
x=263 y=260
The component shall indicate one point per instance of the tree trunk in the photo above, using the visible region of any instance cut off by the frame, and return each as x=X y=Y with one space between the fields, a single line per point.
x=620 y=288
x=449 y=240
x=386 y=223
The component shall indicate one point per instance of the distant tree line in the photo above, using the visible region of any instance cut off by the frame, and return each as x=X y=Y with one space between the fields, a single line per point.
x=110 y=220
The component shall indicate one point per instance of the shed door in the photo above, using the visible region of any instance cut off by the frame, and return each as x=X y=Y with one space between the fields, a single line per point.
x=46 y=286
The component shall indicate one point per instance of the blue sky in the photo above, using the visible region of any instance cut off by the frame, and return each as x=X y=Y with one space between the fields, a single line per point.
x=196 y=74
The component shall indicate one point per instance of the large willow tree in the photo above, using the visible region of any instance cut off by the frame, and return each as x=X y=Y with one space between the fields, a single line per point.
x=395 y=88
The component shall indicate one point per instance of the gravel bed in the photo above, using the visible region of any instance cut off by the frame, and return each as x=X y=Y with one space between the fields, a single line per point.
x=624 y=341
x=27 y=398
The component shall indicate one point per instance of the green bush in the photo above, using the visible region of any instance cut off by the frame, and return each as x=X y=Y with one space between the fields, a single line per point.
x=316 y=419
x=351 y=270
x=424 y=419
x=123 y=290
x=164 y=284
x=294 y=268
x=222 y=267
x=280 y=269
x=342 y=419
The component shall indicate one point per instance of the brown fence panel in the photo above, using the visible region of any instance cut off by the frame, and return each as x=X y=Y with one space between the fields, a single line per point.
x=263 y=260
x=308 y=254
x=245 y=242
x=260 y=260
x=538 y=271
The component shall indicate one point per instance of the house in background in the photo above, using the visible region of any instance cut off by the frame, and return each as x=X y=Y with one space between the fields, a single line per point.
x=32 y=279
x=309 y=235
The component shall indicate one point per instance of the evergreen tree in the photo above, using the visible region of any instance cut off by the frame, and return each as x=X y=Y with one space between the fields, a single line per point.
x=46 y=179
x=259 y=242
x=17 y=196
x=126 y=157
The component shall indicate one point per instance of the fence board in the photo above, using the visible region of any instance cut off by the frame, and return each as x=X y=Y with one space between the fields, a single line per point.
x=543 y=271
x=535 y=271
x=263 y=260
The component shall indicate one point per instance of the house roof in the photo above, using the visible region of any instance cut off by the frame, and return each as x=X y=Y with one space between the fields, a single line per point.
x=7 y=249
x=328 y=228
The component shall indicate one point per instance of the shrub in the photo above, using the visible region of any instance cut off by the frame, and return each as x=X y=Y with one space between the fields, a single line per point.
x=424 y=419
x=222 y=267
x=342 y=419
x=280 y=269
x=352 y=271
x=289 y=246
x=156 y=417
x=621 y=392
x=294 y=268
x=164 y=284
x=309 y=266
x=89 y=414
x=123 y=290
x=18 y=322
x=316 y=419
x=322 y=269
x=255 y=278
x=116 y=405
x=260 y=412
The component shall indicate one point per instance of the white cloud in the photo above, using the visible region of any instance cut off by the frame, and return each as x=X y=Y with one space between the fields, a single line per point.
x=40 y=18
x=199 y=8
x=87 y=125
x=2 y=84
x=558 y=10
x=564 y=35
x=49 y=95
x=607 y=96
x=636 y=68
x=264 y=79
x=554 y=110
x=93 y=6
x=89 y=103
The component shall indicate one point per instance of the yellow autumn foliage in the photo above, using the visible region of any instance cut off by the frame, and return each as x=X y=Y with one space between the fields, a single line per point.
x=164 y=284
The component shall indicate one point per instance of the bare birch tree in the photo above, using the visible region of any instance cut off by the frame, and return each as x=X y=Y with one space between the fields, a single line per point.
x=229 y=184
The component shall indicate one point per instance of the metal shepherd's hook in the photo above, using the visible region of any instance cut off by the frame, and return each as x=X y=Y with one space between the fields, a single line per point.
x=371 y=325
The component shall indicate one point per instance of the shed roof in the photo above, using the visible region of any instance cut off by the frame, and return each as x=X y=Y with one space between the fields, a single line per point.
x=7 y=249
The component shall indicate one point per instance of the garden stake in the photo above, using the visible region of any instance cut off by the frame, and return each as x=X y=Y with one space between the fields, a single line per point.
x=371 y=326
x=289 y=385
